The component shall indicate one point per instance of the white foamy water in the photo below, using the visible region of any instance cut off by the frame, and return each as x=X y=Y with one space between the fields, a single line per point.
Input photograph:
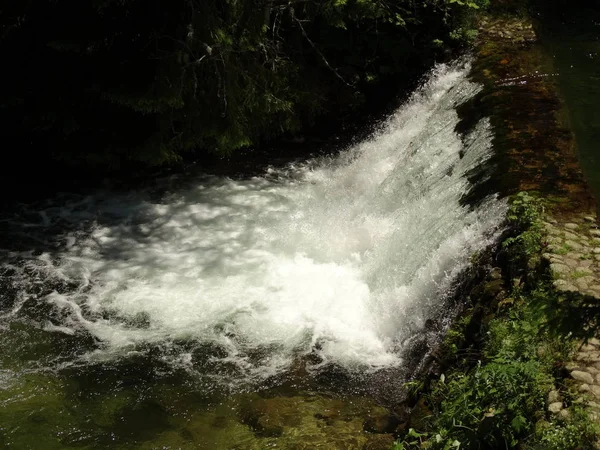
x=345 y=257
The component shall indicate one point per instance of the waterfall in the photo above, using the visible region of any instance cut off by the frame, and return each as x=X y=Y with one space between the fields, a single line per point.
x=340 y=258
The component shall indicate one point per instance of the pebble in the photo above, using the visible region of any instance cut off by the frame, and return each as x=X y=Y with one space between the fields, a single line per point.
x=574 y=245
x=585 y=271
x=593 y=371
x=559 y=268
x=595 y=390
x=569 y=235
x=567 y=288
x=554 y=396
x=582 y=284
x=588 y=357
x=594 y=405
x=572 y=263
x=577 y=270
x=555 y=408
x=582 y=376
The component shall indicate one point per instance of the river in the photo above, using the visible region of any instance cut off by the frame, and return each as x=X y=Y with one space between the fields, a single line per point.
x=571 y=37
x=280 y=310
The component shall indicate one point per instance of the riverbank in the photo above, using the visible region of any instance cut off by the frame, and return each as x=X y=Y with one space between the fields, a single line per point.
x=519 y=367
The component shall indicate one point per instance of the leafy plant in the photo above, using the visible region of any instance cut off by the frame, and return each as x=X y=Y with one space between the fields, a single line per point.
x=500 y=401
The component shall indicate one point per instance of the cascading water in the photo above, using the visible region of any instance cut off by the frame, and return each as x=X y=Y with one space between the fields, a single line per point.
x=341 y=258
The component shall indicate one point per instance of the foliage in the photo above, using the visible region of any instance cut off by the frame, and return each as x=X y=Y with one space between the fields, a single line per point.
x=128 y=81
x=524 y=216
x=577 y=432
x=500 y=402
x=498 y=399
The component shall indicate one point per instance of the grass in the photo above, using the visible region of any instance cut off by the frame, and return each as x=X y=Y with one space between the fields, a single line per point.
x=575 y=275
x=563 y=250
x=496 y=396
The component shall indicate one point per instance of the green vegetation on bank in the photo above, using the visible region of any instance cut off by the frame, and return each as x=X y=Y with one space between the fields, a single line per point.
x=111 y=82
x=494 y=392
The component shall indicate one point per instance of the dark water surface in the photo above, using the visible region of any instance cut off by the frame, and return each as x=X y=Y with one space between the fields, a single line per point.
x=571 y=35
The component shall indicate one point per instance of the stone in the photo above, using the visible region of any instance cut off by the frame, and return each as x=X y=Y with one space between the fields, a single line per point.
x=554 y=396
x=495 y=274
x=592 y=404
x=587 y=348
x=582 y=284
x=566 y=287
x=592 y=370
x=564 y=414
x=572 y=263
x=595 y=390
x=559 y=284
x=588 y=357
x=571 y=226
x=594 y=341
x=585 y=271
x=550 y=257
x=572 y=236
x=595 y=233
x=589 y=219
x=555 y=407
x=596 y=250
x=584 y=388
x=555 y=243
x=597 y=377
x=585 y=263
x=560 y=269
x=574 y=245
x=582 y=376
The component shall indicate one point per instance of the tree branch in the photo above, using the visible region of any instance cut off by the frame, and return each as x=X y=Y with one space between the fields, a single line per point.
x=312 y=44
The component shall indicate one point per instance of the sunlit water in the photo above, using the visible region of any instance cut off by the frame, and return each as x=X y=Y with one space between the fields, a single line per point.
x=337 y=261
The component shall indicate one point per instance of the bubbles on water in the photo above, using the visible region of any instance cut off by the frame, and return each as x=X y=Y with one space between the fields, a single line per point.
x=337 y=261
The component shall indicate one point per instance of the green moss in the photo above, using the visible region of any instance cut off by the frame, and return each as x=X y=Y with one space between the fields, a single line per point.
x=575 y=275
x=563 y=250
